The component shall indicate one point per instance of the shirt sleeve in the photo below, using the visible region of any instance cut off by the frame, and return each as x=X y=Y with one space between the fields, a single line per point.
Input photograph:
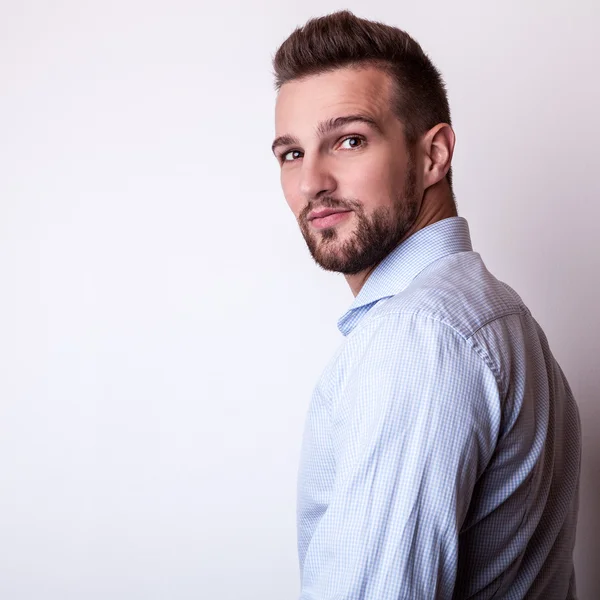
x=411 y=432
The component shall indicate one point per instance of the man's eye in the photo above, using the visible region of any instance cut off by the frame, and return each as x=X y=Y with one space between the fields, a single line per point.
x=352 y=142
x=291 y=155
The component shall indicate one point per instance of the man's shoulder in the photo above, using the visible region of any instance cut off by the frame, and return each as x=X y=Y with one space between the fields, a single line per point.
x=449 y=302
x=457 y=291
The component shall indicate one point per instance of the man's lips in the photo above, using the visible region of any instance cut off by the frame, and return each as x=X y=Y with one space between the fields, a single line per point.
x=325 y=212
x=327 y=217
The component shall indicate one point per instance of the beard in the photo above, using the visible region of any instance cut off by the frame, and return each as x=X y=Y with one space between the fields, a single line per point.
x=374 y=237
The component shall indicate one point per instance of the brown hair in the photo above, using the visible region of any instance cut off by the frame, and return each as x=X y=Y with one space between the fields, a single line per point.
x=343 y=40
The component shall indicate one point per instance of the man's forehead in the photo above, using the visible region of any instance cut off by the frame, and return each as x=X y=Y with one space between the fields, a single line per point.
x=326 y=94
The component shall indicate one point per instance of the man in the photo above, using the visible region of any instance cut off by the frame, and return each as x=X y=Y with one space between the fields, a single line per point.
x=442 y=446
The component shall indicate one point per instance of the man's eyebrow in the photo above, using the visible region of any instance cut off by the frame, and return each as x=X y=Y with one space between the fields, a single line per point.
x=284 y=140
x=330 y=125
x=325 y=127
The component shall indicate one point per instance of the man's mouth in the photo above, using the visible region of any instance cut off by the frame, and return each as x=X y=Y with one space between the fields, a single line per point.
x=327 y=217
x=325 y=212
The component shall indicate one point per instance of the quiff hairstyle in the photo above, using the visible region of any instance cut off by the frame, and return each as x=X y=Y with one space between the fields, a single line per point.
x=341 y=39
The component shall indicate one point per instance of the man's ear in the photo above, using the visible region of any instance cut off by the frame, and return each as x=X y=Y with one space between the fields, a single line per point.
x=438 y=146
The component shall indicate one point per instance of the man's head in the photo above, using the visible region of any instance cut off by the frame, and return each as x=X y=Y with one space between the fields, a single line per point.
x=362 y=129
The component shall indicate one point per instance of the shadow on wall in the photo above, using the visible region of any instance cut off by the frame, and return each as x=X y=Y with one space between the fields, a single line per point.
x=587 y=550
x=582 y=330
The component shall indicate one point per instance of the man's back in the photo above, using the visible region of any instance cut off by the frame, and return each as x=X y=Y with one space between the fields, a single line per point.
x=443 y=440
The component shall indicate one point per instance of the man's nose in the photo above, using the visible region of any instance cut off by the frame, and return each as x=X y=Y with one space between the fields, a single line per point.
x=316 y=179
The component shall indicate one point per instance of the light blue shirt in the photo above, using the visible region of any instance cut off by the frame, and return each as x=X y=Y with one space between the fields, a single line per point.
x=442 y=444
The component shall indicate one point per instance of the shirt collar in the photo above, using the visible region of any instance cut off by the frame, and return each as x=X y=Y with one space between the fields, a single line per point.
x=395 y=272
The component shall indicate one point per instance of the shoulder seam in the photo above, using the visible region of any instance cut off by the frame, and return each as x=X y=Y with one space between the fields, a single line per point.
x=467 y=338
x=496 y=318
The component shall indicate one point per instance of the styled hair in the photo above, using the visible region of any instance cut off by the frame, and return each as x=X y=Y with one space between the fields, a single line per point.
x=342 y=39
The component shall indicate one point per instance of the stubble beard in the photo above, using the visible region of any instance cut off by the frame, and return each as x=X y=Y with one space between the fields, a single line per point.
x=374 y=236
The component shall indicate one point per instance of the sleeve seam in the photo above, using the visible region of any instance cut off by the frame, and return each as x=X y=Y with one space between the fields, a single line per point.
x=483 y=356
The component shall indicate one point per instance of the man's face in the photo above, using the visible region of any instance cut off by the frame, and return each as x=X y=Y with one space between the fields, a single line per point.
x=346 y=171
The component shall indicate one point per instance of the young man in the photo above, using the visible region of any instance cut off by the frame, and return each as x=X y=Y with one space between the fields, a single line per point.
x=442 y=445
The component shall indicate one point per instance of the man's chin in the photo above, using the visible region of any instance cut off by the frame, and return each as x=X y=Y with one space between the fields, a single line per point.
x=335 y=260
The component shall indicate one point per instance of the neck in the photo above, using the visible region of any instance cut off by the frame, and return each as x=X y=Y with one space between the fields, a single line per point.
x=437 y=205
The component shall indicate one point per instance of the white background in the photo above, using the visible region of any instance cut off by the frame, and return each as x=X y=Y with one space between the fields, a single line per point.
x=161 y=322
